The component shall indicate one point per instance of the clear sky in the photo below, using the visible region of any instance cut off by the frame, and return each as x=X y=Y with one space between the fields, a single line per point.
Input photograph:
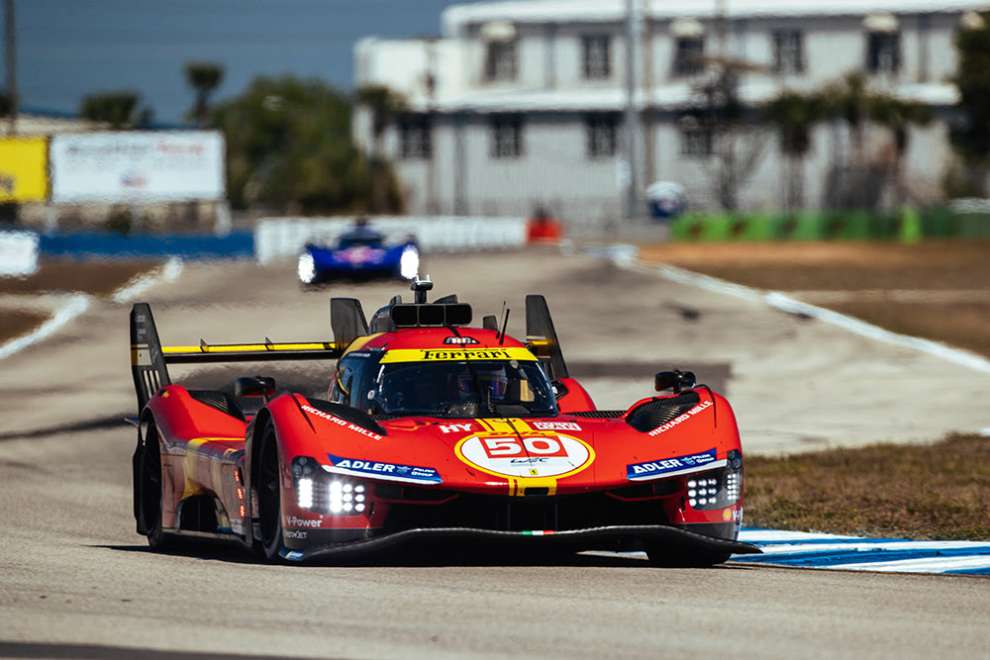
x=69 y=48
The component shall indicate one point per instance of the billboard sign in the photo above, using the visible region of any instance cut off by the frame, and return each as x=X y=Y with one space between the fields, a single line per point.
x=23 y=169
x=137 y=166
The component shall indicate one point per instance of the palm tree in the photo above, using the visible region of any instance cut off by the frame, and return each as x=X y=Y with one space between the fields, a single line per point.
x=204 y=78
x=794 y=116
x=853 y=103
x=385 y=105
x=897 y=116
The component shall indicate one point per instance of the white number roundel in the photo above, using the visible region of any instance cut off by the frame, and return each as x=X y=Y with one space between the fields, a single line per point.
x=533 y=457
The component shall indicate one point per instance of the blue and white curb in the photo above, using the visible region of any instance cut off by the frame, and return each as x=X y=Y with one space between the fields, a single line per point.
x=856 y=553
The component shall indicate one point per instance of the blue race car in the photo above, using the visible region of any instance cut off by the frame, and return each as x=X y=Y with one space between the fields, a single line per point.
x=361 y=253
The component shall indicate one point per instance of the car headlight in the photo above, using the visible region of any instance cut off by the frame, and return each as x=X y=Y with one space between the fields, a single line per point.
x=306 y=268
x=716 y=489
x=409 y=263
x=319 y=493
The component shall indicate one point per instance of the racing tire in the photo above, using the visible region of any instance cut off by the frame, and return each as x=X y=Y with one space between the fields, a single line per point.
x=152 y=491
x=666 y=557
x=269 y=488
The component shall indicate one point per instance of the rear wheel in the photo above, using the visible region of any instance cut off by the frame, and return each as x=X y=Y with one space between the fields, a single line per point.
x=152 y=493
x=269 y=489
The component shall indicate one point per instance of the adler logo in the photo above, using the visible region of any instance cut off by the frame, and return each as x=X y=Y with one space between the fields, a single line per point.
x=460 y=341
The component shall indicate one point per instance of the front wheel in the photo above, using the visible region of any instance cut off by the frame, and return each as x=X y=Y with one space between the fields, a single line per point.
x=269 y=487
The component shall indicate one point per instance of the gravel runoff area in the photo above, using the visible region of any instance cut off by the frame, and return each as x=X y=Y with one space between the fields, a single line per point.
x=936 y=289
x=65 y=481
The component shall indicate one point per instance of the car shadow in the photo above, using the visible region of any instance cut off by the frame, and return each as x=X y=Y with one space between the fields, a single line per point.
x=410 y=556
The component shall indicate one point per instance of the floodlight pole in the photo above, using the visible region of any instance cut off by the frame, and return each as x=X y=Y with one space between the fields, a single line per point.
x=632 y=132
x=10 y=55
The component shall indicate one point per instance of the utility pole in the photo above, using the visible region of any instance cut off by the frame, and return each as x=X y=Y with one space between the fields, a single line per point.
x=432 y=201
x=11 y=61
x=633 y=134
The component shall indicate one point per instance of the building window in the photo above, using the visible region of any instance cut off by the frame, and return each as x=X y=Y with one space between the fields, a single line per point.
x=507 y=136
x=883 y=52
x=697 y=140
x=500 y=61
x=602 y=130
x=689 y=56
x=788 y=51
x=415 y=137
x=597 y=49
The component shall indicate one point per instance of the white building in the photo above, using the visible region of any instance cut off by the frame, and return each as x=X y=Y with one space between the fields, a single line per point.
x=520 y=103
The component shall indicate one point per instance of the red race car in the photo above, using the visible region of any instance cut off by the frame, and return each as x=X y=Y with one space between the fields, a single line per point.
x=432 y=431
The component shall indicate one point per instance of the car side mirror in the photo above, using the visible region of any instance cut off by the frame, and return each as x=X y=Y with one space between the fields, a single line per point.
x=674 y=380
x=559 y=389
x=263 y=386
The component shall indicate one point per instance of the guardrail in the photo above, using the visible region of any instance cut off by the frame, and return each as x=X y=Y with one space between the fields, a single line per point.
x=276 y=238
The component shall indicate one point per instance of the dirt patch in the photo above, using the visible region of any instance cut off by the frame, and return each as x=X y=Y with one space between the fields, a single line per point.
x=966 y=325
x=932 y=491
x=98 y=278
x=17 y=322
x=927 y=290
x=835 y=266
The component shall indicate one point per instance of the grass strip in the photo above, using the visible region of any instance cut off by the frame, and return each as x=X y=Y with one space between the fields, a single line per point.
x=937 y=491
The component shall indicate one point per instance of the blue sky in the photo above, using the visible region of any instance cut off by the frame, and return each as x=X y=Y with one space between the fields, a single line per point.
x=69 y=48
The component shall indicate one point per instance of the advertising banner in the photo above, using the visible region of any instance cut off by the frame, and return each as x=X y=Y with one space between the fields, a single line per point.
x=135 y=166
x=23 y=169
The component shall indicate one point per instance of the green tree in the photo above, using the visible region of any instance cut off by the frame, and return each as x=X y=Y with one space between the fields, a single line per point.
x=384 y=105
x=971 y=136
x=289 y=148
x=204 y=78
x=118 y=109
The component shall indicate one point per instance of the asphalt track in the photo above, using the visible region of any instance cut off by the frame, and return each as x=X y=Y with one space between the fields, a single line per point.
x=75 y=581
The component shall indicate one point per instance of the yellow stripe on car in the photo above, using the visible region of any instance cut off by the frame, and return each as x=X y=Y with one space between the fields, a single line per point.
x=250 y=348
x=457 y=354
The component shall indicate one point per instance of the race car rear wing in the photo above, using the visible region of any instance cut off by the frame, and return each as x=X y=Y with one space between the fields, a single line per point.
x=150 y=360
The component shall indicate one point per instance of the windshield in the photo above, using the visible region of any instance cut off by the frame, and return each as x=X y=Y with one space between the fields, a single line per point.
x=506 y=388
x=347 y=242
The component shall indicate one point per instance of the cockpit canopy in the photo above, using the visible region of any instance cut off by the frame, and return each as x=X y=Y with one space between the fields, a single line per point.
x=443 y=388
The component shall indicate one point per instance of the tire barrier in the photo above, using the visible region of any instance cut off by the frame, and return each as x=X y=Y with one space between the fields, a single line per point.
x=277 y=238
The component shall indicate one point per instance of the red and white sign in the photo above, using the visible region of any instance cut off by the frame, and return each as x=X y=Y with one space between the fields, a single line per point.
x=546 y=455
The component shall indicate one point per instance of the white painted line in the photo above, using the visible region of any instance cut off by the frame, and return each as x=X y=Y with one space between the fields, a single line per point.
x=764 y=535
x=785 y=303
x=169 y=272
x=869 y=546
x=923 y=565
x=75 y=306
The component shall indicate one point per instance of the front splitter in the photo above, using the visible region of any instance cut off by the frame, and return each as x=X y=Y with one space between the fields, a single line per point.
x=592 y=538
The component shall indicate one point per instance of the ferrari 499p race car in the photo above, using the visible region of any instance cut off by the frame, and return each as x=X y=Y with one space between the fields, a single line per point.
x=361 y=253
x=432 y=431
